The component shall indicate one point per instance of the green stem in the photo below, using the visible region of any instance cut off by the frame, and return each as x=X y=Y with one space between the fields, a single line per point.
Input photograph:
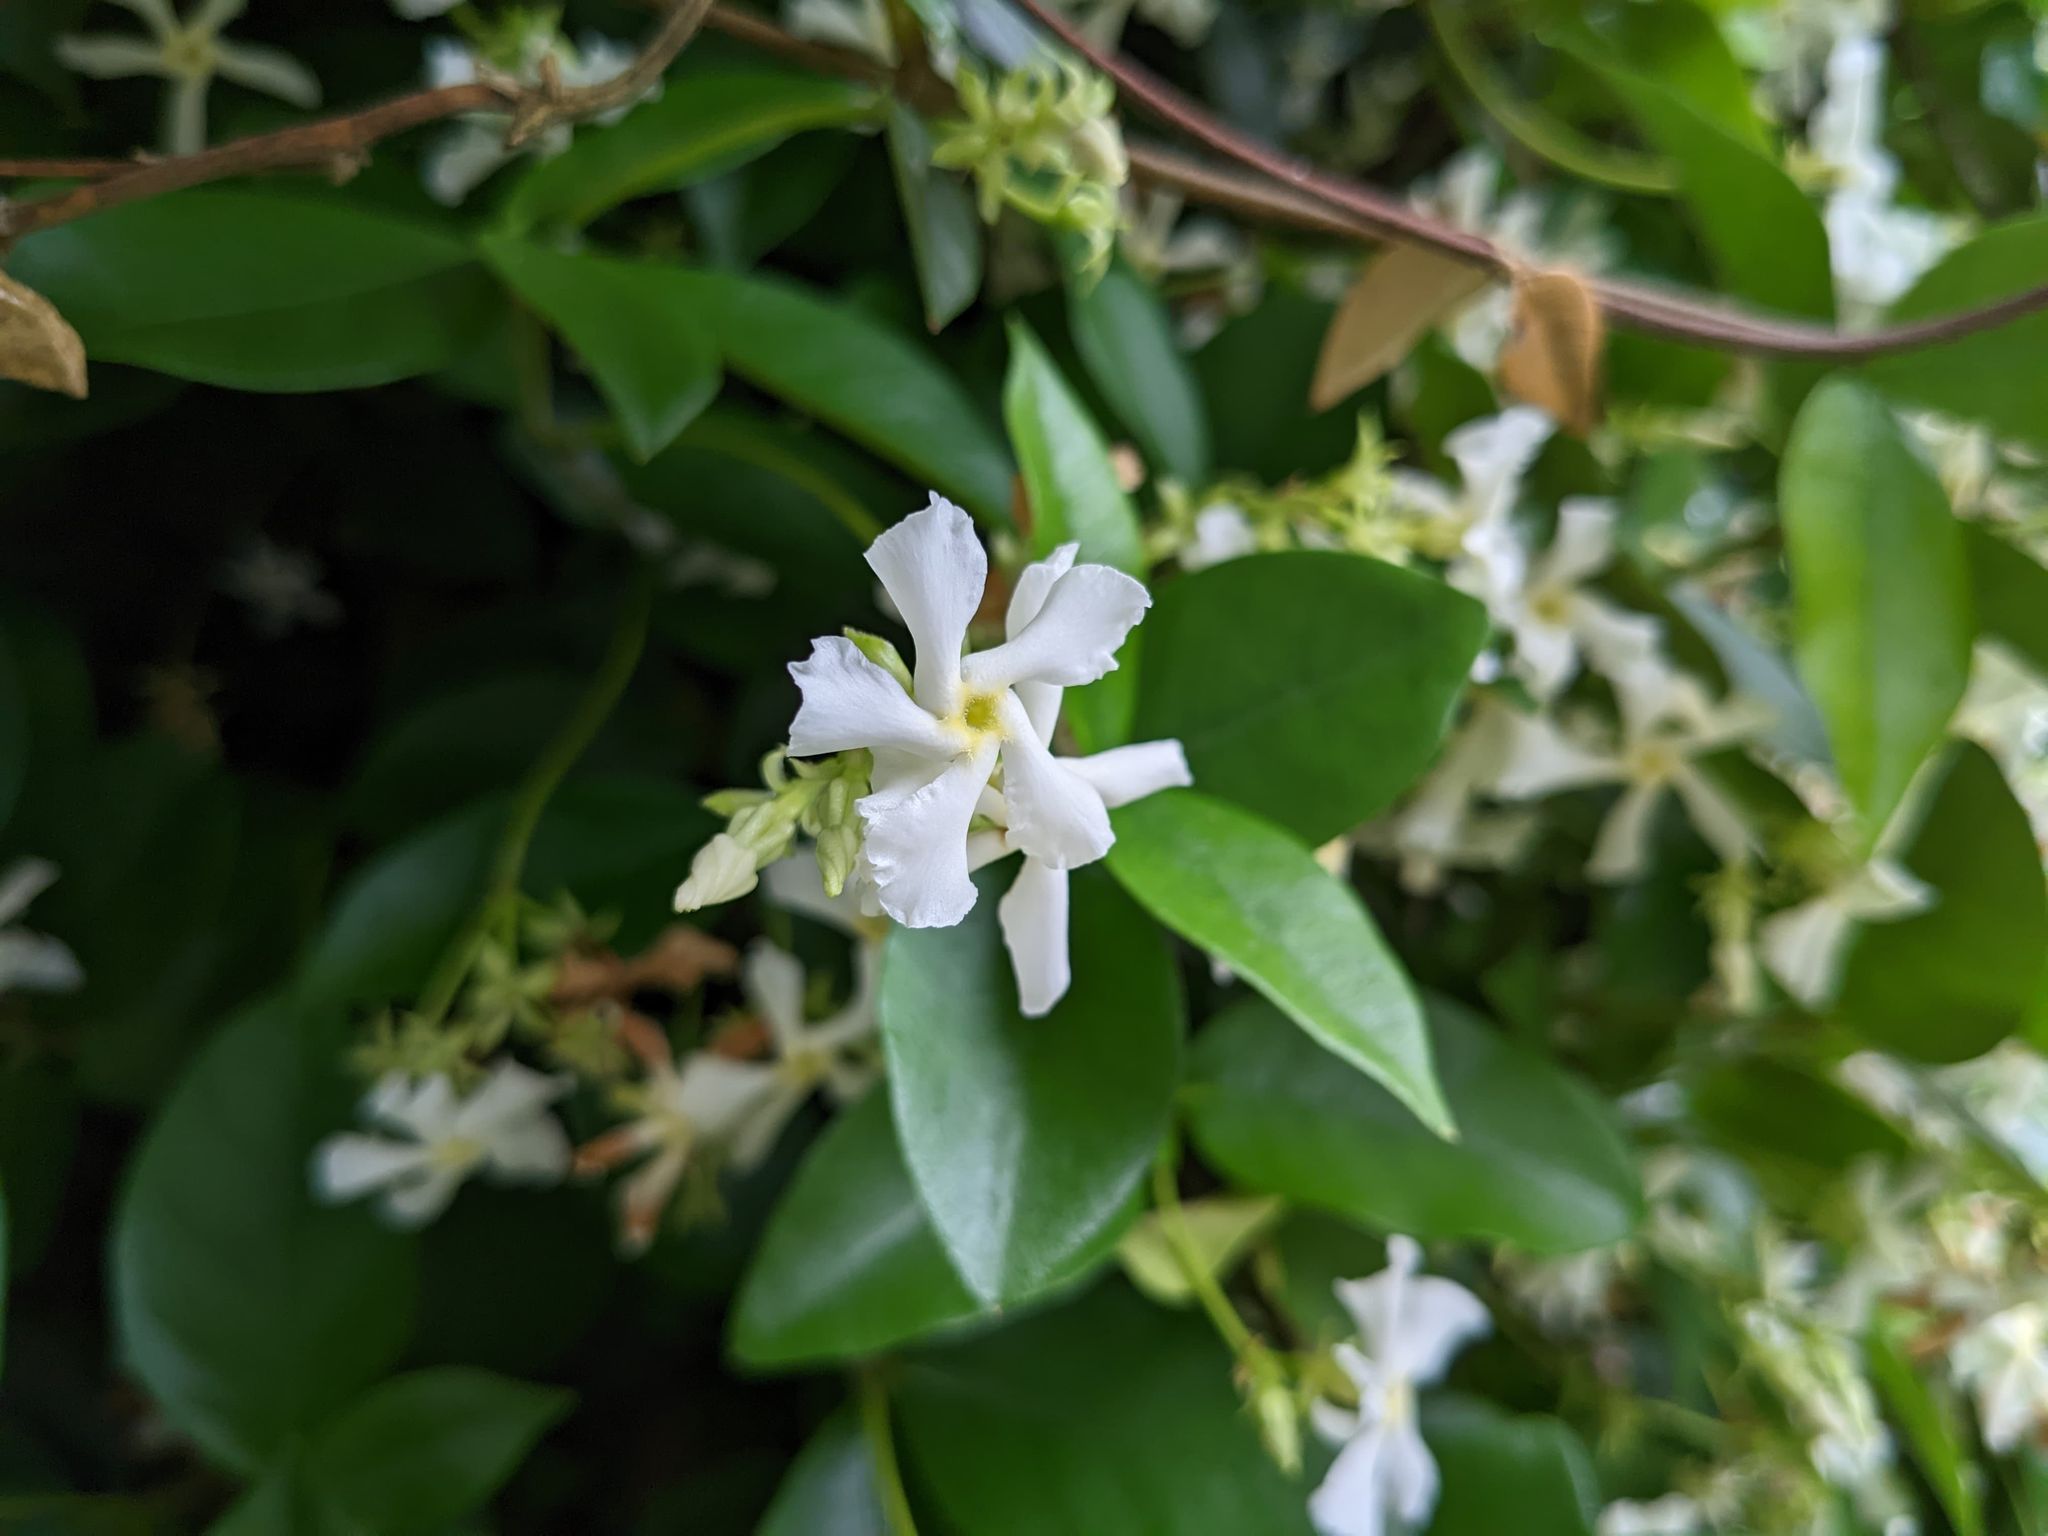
x=1558 y=142
x=1173 y=1225
x=508 y=861
x=874 y=1424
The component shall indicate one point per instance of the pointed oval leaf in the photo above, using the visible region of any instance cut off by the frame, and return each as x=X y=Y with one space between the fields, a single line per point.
x=1068 y=478
x=1124 y=334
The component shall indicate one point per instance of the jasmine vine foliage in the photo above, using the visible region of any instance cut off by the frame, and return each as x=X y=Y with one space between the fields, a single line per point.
x=986 y=768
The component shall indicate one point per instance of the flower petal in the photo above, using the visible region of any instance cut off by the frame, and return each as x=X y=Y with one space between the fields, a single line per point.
x=33 y=962
x=934 y=569
x=1055 y=814
x=510 y=1096
x=849 y=702
x=1802 y=947
x=351 y=1165
x=110 y=58
x=269 y=70
x=1033 y=915
x=185 y=115
x=1074 y=638
x=1351 y=1500
x=457 y=161
x=1584 y=543
x=23 y=881
x=1410 y=1477
x=1124 y=774
x=532 y=1150
x=916 y=844
x=1493 y=454
x=1537 y=759
x=723 y=870
x=1034 y=585
x=716 y=1094
x=795 y=885
x=762 y=1126
x=420 y=1198
x=773 y=980
x=1621 y=852
x=1717 y=817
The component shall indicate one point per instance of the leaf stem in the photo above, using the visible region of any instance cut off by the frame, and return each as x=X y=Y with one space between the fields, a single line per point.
x=1173 y=1225
x=873 y=1391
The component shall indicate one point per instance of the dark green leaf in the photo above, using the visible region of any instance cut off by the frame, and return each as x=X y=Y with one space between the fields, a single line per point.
x=1527 y=1474
x=1125 y=337
x=1881 y=592
x=829 y=1489
x=1257 y=900
x=634 y=324
x=938 y=213
x=257 y=290
x=1108 y=1415
x=1772 y=1111
x=1540 y=1164
x=248 y=1311
x=1026 y=1138
x=1311 y=687
x=1952 y=981
x=2009 y=593
x=1068 y=478
x=1681 y=46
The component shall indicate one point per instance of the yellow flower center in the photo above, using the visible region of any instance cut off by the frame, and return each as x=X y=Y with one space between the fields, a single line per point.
x=1400 y=1402
x=1653 y=762
x=978 y=717
x=1550 y=605
x=458 y=1154
x=189 y=53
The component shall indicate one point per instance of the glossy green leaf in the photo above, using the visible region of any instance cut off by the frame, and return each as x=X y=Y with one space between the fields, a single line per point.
x=2009 y=593
x=1503 y=1472
x=419 y=1452
x=1107 y=1415
x=1253 y=897
x=1933 y=1424
x=1773 y=1111
x=635 y=326
x=1310 y=687
x=849 y=1265
x=260 y=290
x=1124 y=334
x=829 y=1489
x=862 y=377
x=1540 y=1161
x=1882 y=624
x=1993 y=377
x=1680 y=45
x=247 y=1310
x=1068 y=478
x=700 y=125
x=938 y=214
x=1952 y=981
x=1026 y=1138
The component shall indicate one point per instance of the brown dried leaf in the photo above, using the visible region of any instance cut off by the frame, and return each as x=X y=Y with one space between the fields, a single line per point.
x=38 y=345
x=1553 y=355
x=1405 y=291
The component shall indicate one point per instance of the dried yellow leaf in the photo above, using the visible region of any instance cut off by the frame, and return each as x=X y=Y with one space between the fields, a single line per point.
x=1554 y=352
x=38 y=345
x=1393 y=302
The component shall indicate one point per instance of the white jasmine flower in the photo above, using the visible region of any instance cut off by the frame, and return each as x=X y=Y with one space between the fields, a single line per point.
x=1222 y=532
x=723 y=870
x=936 y=748
x=795 y=884
x=281 y=588
x=31 y=962
x=1655 y=758
x=807 y=1056
x=1409 y=1327
x=1443 y=826
x=2007 y=1090
x=1492 y=453
x=501 y=1128
x=860 y=26
x=189 y=54
x=1672 y=1515
x=1804 y=945
x=2003 y=1361
x=1569 y=1296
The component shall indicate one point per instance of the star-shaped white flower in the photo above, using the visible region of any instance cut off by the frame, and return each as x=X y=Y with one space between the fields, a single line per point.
x=189 y=54
x=280 y=586
x=1443 y=826
x=1409 y=1327
x=936 y=748
x=502 y=1128
x=1804 y=945
x=31 y=962
x=2004 y=1362
x=1492 y=455
x=1655 y=757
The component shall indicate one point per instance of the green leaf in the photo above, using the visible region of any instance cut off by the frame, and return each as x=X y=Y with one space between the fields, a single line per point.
x=1933 y=1426
x=1776 y=1112
x=419 y=1452
x=1107 y=1415
x=863 y=378
x=1221 y=1229
x=1994 y=377
x=1310 y=687
x=1952 y=981
x=1257 y=900
x=1540 y=1164
x=1681 y=46
x=2009 y=593
x=1125 y=337
x=938 y=213
x=262 y=291
x=849 y=1265
x=1882 y=626
x=248 y=1311
x=700 y=126
x=1523 y=1473
x=1068 y=478
x=635 y=327
x=829 y=1489
x=1027 y=1138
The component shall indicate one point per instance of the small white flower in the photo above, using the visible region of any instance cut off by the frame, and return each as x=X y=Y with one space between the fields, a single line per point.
x=1443 y=826
x=31 y=962
x=281 y=588
x=1222 y=532
x=935 y=750
x=723 y=870
x=807 y=1056
x=795 y=884
x=2004 y=1363
x=2008 y=1091
x=1804 y=945
x=1672 y=1515
x=1655 y=757
x=859 y=26
x=189 y=54
x=502 y=1128
x=1569 y=1296
x=1409 y=1327
x=1492 y=455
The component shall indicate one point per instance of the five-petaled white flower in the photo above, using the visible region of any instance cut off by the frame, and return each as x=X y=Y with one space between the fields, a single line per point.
x=1492 y=455
x=1804 y=945
x=189 y=53
x=1033 y=914
x=31 y=962
x=1409 y=1327
x=280 y=586
x=501 y=1128
x=1443 y=826
x=2004 y=1361
x=1656 y=755
x=936 y=748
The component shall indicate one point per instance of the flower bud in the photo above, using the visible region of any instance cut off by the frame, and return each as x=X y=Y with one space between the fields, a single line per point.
x=723 y=870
